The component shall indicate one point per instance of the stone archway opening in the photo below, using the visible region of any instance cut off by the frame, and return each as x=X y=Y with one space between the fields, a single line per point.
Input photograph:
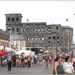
x=36 y=50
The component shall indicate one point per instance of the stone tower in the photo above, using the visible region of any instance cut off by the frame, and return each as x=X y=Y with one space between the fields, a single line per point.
x=13 y=22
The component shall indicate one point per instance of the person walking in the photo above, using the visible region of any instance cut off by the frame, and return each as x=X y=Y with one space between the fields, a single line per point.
x=9 y=63
x=67 y=66
x=58 y=68
x=50 y=59
x=46 y=62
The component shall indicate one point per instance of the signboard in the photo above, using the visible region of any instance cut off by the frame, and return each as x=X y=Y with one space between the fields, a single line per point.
x=73 y=46
x=30 y=53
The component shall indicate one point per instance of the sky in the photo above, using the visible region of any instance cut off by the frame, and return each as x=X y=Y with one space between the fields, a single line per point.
x=50 y=12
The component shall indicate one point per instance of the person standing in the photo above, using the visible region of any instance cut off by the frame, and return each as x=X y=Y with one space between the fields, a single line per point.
x=58 y=68
x=14 y=60
x=38 y=60
x=54 y=59
x=34 y=60
x=9 y=63
x=0 y=63
x=67 y=66
x=29 y=61
x=46 y=62
x=43 y=60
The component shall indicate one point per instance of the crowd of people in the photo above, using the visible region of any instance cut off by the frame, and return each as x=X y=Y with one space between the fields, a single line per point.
x=68 y=66
x=28 y=61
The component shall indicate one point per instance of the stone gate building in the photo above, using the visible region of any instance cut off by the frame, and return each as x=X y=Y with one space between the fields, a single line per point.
x=38 y=35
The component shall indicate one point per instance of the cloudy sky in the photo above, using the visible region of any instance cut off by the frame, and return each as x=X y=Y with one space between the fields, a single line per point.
x=40 y=11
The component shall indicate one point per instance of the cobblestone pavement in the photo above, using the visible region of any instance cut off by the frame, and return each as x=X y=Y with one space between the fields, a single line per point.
x=33 y=70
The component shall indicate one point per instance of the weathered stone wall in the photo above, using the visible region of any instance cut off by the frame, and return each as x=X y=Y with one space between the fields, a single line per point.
x=39 y=34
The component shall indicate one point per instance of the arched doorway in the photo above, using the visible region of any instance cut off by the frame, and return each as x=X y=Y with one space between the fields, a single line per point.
x=41 y=50
x=27 y=49
x=36 y=50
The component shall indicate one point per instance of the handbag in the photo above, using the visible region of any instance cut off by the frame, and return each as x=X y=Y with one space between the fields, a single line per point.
x=73 y=63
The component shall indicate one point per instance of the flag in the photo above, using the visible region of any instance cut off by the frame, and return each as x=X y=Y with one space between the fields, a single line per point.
x=11 y=40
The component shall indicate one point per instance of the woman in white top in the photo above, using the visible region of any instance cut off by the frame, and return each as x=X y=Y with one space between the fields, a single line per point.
x=73 y=61
x=67 y=66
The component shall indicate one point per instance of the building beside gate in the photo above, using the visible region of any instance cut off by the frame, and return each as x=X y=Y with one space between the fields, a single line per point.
x=38 y=35
x=19 y=42
x=4 y=39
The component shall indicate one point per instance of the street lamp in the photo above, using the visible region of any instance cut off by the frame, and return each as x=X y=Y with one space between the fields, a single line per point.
x=56 y=48
x=68 y=39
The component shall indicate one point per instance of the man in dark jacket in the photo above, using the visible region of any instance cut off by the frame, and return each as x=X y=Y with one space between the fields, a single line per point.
x=9 y=63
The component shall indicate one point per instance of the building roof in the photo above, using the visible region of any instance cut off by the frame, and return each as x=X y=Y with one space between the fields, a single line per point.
x=17 y=37
x=13 y=13
x=34 y=22
x=53 y=24
x=65 y=26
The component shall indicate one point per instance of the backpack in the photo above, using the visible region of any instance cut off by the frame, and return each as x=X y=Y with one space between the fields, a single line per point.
x=73 y=63
x=59 y=69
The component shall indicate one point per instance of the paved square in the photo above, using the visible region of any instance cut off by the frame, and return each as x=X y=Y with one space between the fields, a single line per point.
x=33 y=70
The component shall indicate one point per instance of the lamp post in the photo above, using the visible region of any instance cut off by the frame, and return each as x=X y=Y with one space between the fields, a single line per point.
x=56 y=48
x=68 y=39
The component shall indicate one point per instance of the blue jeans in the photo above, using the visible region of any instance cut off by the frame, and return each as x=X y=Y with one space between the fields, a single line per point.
x=53 y=62
x=0 y=65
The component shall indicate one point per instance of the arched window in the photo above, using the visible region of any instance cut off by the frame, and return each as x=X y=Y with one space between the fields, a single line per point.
x=39 y=29
x=31 y=38
x=22 y=43
x=28 y=38
x=23 y=30
x=56 y=27
x=57 y=41
x=28 y=29
x=39 y=38
x=58 y=37
x=48 y=41
x=8 y=29
x=42 y=38
x=8 y=19
x=17 y=19
x=17 y=29
x=12 y=29
x=49 y=37
x=49 y=27
x=35 y=29
x=12 y=19
x=53 y=37
x=17 y=43
x=31 y=29
x=42 y=29
x=35 y=38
